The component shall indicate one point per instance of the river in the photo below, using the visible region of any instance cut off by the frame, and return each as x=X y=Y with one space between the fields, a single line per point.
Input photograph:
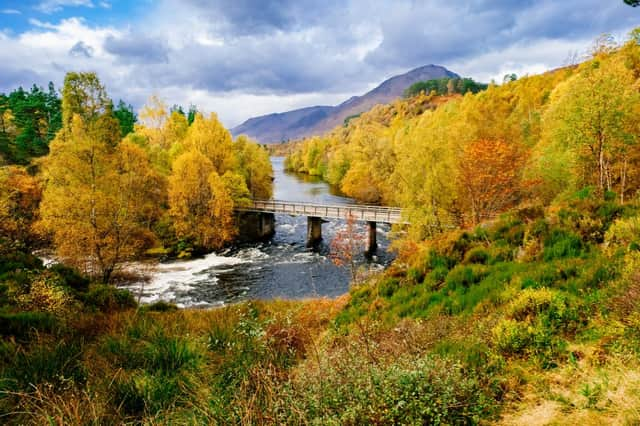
x=281 y=268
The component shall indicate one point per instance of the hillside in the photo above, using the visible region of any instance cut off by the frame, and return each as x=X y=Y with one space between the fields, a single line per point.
x=317 y=120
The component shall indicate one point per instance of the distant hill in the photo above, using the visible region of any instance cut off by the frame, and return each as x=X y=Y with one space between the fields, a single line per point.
x=299 y=123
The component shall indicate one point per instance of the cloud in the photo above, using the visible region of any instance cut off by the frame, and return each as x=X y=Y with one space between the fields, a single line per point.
x=10 y=12
x=81 y=49
x=137 y=48
x=51 y=6
x=244 y=57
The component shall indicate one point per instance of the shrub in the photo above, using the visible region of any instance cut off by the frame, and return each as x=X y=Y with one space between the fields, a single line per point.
x=415 y=276
x=48 y=293
x=477 y=255
x=624 y=233
x=22 y=325
x=561 y=244
x=388 y=286
x=160 y=306
x=533 y=323
x=430 y=390
x=464 y=276
x=70 y=277
x=107 y=298
x=536 y=341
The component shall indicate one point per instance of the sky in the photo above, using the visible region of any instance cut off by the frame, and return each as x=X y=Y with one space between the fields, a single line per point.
x=242 y=58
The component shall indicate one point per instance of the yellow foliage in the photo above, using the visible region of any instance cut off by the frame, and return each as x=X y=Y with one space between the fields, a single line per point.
x=200 y=205
x=211 y=139
x=98 y=201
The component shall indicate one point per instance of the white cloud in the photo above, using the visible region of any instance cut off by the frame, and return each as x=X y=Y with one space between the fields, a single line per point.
x=51 y=6
x=10 y=12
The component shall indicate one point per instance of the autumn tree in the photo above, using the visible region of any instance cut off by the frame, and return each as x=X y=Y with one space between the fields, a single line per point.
x=489 y=179
x=200 y=205
x=255 y=166
x=211 y=139
x=592 y=124
x=20 y=195
x=96 y=201
x=84 y=95
x=346 y=245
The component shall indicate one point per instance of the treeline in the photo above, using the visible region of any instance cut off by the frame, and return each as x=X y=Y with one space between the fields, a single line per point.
x=445 y=86
x=29 y=120
x=532 y=140
x=111 y=191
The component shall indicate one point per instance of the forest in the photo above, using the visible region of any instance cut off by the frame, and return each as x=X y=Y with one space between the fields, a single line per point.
x=468 y=158
x=514 y=297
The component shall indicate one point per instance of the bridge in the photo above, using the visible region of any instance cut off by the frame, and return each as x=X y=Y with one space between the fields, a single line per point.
x=316 y=213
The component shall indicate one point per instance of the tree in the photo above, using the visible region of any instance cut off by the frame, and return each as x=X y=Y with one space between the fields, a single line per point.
x=211 y=139
x=96 y=201
x=489 y=180
x=20 y=195
x=346 y=245
x=255 y=167
x=126 y=117
x=83 y=94
x=199 y=203
x=633 y=3
x=593 y=120
x=28 y=122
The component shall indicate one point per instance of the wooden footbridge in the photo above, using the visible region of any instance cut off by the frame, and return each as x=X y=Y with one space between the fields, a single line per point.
x=316 y=213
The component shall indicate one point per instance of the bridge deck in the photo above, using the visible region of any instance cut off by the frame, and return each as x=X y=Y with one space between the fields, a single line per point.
x=337 y=211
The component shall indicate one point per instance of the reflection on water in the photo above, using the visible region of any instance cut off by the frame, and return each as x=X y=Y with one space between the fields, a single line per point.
x=280 y=268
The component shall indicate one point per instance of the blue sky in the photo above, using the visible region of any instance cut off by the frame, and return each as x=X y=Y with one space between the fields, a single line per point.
x=242 y=58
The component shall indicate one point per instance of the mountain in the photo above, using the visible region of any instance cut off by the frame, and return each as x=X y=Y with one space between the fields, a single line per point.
x=316 y=120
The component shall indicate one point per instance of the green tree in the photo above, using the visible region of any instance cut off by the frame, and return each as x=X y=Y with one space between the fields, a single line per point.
x=126 y=117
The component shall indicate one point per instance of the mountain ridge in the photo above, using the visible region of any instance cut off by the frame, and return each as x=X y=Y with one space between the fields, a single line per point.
x=316 y=120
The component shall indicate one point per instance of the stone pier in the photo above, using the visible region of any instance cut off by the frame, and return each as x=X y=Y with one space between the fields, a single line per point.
x=372 y=242
x=256 y=226
x=314 y=230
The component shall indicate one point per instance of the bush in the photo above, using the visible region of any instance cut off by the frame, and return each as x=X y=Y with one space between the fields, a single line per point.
x=388 y=286
x=107 y=298
x=430 y=390
x=48 y=293
x=477 y=255
x=535 y=320
x=561 y=244
x=464 y=276
x=22 y=325
x=71 y=277
x=160 y=306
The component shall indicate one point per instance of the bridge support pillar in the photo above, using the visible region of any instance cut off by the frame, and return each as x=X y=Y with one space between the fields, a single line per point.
x=256 y=226
x=314 y=230
x=372 y=242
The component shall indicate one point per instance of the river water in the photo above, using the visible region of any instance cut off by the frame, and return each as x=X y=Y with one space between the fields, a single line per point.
x=281 y=268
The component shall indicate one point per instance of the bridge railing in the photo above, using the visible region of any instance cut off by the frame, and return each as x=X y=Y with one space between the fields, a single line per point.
x=339 y=211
